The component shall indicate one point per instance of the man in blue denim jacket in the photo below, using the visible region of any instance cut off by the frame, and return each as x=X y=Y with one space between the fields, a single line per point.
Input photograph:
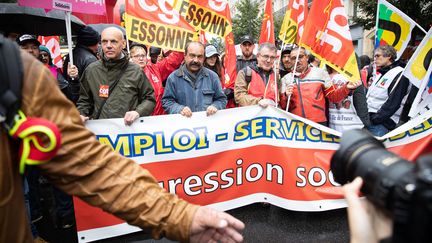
x=193 y=87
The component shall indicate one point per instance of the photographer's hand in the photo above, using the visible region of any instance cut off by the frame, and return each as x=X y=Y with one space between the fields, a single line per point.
x=366 y=223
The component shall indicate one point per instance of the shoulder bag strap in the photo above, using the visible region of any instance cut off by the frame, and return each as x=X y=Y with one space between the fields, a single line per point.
x=111 y=89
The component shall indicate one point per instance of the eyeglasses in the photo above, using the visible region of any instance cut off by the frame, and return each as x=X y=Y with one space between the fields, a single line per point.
x=267 y=57
x=139 y=56
x=44 y=55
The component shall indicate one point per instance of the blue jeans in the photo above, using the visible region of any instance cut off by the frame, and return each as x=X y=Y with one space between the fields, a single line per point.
x=378 y=130
x=33 y=229
x=34 y=194
x=64 y=204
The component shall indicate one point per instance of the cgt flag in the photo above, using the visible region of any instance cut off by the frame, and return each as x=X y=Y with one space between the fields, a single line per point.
x=393 y=27
x=149 y=23
x=294 y=20
x=418 y=71
x=230 y=71
x=327 y=35
x=267 y=26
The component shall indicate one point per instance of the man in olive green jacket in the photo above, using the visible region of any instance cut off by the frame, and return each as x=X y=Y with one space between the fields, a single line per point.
x=102 y=96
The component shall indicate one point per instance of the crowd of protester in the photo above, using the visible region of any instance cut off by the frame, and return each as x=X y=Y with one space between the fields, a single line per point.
x=106 y=81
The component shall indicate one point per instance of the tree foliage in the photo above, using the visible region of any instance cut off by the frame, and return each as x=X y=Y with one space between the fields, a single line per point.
x=218 y=43
x=419 y=10
x=247 y=20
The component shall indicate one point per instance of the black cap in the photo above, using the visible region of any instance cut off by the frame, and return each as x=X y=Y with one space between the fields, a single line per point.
x=88 y=36
x=136 y=44
x=247 y=38
x=23 y=39
x=154 y=51
x=287 y=49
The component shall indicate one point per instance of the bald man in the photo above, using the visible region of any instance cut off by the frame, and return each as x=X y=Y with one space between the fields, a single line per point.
x=114 y=87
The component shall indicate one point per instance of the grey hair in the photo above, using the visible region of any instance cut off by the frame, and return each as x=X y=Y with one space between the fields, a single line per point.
x=267 y=45
x=306 y=52
x=388 y=51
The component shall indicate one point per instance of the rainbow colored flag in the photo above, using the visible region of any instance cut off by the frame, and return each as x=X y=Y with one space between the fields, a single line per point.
x=393 y=27
x=418 y=71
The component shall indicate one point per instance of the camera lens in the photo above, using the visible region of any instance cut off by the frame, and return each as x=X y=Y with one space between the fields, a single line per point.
x=353 y=144
x=362 y=155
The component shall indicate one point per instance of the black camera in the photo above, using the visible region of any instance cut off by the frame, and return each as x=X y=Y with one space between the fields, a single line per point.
x=401 y=188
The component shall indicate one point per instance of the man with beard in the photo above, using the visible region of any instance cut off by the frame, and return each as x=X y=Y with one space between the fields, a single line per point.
x=193 y=87
x=286 y=65
x=247 y=58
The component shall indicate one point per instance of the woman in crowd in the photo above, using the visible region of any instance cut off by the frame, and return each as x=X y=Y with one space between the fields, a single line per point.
x=212 y=60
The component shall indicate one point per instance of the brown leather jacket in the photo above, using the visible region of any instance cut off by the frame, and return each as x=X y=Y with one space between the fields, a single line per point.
x=85 y=168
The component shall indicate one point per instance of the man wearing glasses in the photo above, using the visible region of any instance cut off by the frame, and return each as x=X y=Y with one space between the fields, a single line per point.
x=257 y=84
x=387 y=91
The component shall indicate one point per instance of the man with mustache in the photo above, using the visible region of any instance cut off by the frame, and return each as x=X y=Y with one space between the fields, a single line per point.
x=193 y=87
x=311 y=88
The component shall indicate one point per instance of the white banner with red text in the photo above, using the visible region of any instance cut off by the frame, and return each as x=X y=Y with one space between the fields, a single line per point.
x=234 y=158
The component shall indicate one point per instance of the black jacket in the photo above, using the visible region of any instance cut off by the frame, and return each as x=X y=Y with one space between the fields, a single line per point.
x=82 y=57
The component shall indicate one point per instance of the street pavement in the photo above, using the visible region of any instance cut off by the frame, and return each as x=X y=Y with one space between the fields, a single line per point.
x=267 y=223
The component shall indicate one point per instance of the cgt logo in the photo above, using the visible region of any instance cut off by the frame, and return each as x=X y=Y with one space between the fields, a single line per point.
x=103 y=91
x=336 y=30
x=168 y=15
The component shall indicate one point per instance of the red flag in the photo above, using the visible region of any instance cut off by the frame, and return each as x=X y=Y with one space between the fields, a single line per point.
x=157 y=23
x=53 y=45
x=293 y=23
x=230 y=72
x=267 y=27
x=202 y=37
x=327 y=35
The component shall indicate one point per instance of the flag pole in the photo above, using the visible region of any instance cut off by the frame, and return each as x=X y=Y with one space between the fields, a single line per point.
x=69 y=35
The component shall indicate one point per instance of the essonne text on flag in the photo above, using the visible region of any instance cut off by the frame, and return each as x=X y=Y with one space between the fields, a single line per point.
x=151 y=24
x=327 y=36
x=205 y=15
